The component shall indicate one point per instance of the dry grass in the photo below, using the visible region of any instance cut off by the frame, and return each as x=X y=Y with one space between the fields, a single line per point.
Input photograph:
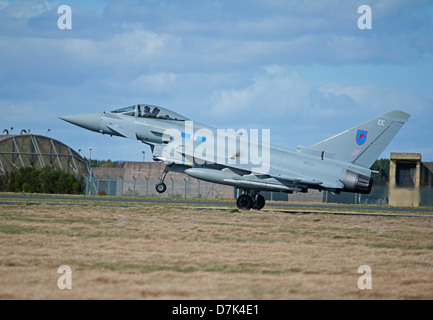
x=157 y=252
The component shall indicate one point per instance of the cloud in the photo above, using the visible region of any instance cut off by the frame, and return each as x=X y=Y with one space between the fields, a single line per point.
x=307 y=111
x=67 y=61
x=215 y=36
x=27 y=9
x=133 y=47
x=13 y=112
x=155 y=83
x=274 y=91
x=285 y=91
x=243 y=32
x=225 y=63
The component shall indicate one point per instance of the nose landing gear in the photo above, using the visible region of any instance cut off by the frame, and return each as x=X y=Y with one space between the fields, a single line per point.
x=161 y=187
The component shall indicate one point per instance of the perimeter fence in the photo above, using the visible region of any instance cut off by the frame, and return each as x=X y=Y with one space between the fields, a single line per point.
x=188 y=188
x=146 y=188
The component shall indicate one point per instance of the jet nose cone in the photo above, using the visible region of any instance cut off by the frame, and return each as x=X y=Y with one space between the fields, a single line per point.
x=91 y=121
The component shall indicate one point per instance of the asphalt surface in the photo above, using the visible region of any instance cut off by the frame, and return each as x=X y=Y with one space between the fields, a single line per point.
x=8 y=199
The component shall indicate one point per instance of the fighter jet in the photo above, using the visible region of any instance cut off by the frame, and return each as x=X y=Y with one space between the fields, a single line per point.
x=237 y=158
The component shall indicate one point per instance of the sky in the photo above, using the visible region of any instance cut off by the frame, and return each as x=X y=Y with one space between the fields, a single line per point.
x=303 y=69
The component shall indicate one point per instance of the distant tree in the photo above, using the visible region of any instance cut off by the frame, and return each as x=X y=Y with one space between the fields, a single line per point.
x=4 y=182
x=102 y=163
x=381 y=165
x=78 y=186
x=109 y=164
x=46 y=180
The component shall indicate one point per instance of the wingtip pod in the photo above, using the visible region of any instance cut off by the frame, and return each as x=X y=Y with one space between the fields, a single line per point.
x=398 y=115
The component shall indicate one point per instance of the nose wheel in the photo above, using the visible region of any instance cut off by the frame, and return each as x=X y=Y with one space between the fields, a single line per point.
x=161 y=187
x=247 y=202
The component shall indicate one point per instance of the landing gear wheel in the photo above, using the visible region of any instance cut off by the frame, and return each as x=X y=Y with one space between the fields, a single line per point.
x=259 y=202
x=161 y=187
x=245 y=202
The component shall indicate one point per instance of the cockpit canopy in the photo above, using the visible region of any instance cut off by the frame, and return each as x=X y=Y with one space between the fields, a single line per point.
x=149 y=111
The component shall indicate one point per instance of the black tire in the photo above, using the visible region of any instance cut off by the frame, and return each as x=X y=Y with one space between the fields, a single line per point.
x=245 y=202
x=259 y=202
x=161 y=187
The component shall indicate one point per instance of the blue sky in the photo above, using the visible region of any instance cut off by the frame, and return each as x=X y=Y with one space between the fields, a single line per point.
x=300 y=68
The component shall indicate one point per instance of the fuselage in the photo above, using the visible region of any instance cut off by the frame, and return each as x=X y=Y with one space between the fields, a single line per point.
x=240 y=159
x=203 y=152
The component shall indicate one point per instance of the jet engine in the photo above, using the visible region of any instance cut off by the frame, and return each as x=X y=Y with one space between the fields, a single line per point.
x=355 y=182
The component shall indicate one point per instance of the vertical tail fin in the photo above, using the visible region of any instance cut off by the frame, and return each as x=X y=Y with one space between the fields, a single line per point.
x=362 y=144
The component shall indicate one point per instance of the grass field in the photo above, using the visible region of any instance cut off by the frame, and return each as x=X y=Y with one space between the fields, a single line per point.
x=185 y=252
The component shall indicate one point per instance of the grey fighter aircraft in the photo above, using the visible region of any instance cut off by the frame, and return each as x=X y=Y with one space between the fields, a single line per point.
x=338 y=164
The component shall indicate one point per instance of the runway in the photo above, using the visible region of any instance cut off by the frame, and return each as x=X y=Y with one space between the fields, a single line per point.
x=307 y=208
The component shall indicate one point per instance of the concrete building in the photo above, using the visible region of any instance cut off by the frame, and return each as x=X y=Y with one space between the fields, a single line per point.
x=410 y=180
x=140 y=178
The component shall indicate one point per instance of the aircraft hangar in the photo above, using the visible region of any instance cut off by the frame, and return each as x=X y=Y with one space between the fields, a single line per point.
x=27 y=150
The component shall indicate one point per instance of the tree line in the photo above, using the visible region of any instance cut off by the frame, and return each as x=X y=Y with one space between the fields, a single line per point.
x=102 y=163
x=381 y=178
x=47 y=180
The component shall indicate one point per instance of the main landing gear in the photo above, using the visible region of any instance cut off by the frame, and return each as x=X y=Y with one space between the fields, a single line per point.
x=246 y=201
